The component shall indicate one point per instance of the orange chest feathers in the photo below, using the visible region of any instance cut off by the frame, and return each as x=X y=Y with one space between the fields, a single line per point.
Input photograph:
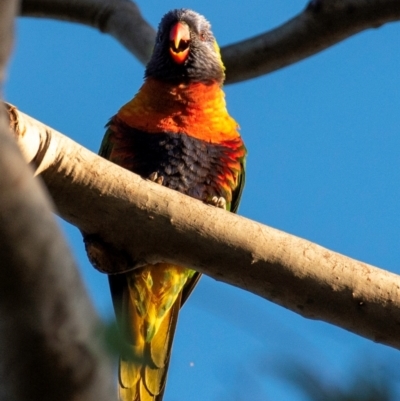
x=197 y=109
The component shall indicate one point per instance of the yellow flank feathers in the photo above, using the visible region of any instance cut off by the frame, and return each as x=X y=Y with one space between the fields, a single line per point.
x=153 y=292
x=153 y=304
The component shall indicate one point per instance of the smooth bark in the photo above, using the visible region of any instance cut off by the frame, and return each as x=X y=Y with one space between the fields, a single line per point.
x=119 y=18
x=322 y=24
x=49 y=346
x=133 y=222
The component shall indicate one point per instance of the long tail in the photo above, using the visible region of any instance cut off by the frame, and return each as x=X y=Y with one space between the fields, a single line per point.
x=147 y=314
x=145 y=379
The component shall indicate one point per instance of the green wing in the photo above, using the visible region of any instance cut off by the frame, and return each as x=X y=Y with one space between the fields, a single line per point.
x=106 y=144
x=237 y=192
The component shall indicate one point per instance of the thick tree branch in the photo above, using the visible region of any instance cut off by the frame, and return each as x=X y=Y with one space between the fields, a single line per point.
x=119 y=18
x=48 y=329
x=322 y=24
x=142 y=222
x=48 y=348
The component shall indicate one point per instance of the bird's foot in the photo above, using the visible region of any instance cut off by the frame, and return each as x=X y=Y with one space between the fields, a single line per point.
x=156 y=178
x=218 y=202
x=105 y=258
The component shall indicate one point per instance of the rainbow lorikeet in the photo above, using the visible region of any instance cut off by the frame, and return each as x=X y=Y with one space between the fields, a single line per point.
x=177 y=132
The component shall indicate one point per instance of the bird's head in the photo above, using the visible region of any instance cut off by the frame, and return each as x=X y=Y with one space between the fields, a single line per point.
x=185 y=50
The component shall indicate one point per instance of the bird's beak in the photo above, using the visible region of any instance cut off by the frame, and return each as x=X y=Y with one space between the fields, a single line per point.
x=179 y=40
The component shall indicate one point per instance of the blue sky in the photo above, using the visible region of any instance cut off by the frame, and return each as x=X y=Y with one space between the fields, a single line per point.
x=323 y=141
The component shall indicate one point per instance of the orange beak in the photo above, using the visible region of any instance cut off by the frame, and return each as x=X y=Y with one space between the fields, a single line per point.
x=179 y=37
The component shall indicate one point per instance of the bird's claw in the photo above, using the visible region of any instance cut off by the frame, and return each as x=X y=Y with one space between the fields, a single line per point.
x=156 y=178
x=153 y=176
x=219 y=202
x=105 y=258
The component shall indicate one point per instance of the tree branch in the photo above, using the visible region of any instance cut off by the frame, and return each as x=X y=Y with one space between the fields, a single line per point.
x=322 y=24
x=48 y=348
x=292 y=272
x=119 y=18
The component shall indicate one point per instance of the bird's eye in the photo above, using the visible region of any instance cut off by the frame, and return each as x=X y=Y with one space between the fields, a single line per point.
x=203 y=36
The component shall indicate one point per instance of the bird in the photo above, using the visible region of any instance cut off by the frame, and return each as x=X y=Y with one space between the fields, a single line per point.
x=177 y=132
